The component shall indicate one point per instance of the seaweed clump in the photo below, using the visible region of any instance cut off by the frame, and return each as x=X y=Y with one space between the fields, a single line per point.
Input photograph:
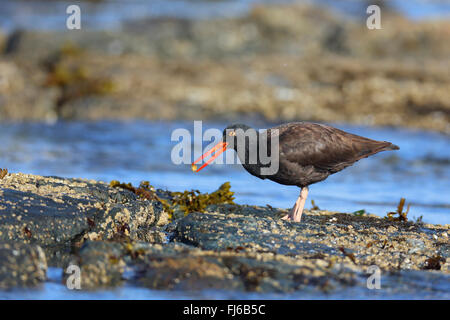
x=195 y=201
x=434 y=263
x=359 y=213
x=144 y=191
x=401 y=216
x=187 y=201
x=3 y=173
x=74 y=81
x=314 y=206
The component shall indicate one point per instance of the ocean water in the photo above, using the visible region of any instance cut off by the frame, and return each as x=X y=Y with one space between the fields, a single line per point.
x=108 y=14
x=134 y=151
x=433 y=287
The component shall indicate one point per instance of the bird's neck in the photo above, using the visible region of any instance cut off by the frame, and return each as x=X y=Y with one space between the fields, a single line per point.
x=249 y=154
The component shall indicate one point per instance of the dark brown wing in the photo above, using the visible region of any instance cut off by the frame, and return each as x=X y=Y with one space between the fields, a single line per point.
x=325 y=147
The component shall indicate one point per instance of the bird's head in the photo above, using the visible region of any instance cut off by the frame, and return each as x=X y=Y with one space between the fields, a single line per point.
x=229 y=140
x=233 y=132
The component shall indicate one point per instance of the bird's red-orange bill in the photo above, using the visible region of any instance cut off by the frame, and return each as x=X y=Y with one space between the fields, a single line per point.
x=215 y=151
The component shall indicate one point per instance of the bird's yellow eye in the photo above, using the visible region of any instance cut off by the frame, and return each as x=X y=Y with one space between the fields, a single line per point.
x=232 y=133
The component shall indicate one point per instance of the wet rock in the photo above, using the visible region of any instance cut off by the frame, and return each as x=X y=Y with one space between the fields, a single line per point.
x=21 y=265
x=444 y=249
x=100 y=265
x=115 y=238
x=336 y=237
x=416 y=245
x=183 y=270
x=55 y=212
x=183 y=267
x=423 y=283
x=220 y=232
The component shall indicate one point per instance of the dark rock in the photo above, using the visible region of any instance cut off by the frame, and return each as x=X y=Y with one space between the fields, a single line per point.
x=100 y=264
x=115 y=237
x=183 y=267
x=250 y=228
x=21 y=265
x=52 y=211
x=334 y=237
x=185 y=272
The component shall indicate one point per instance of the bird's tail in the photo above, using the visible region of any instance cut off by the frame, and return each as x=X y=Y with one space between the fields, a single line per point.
x=378 y=147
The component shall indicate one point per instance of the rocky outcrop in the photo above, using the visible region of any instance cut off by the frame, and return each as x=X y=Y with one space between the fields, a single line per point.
x=116 y=236
x=249 y=249
x=360 y=240
x=21 y=265
x=100 y=264
x=55 y=212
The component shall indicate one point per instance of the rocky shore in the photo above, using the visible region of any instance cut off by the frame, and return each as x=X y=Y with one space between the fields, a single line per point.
x=118 y=234
x=278 y=63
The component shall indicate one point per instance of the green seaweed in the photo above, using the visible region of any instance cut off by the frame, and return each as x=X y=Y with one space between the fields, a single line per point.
x=144 y=191
x=187 y=201
x=359 y=213
x=3 y=173
x=117 y=184
x=74 y=81
x=401 y=216
x=195 y=201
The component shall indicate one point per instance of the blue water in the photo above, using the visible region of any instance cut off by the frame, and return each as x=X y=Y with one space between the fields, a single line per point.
x=135 y=151
x=54 y=289
x=40 y=14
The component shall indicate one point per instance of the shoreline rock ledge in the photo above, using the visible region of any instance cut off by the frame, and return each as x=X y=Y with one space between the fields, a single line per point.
x=117 y=237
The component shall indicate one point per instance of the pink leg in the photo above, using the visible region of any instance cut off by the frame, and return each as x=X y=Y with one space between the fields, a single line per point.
x=297 y=210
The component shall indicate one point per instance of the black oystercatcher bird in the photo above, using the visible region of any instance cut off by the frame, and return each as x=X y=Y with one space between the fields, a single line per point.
x=307 y=153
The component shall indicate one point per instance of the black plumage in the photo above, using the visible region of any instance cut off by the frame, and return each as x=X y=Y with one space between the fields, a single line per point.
x=308 y=153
